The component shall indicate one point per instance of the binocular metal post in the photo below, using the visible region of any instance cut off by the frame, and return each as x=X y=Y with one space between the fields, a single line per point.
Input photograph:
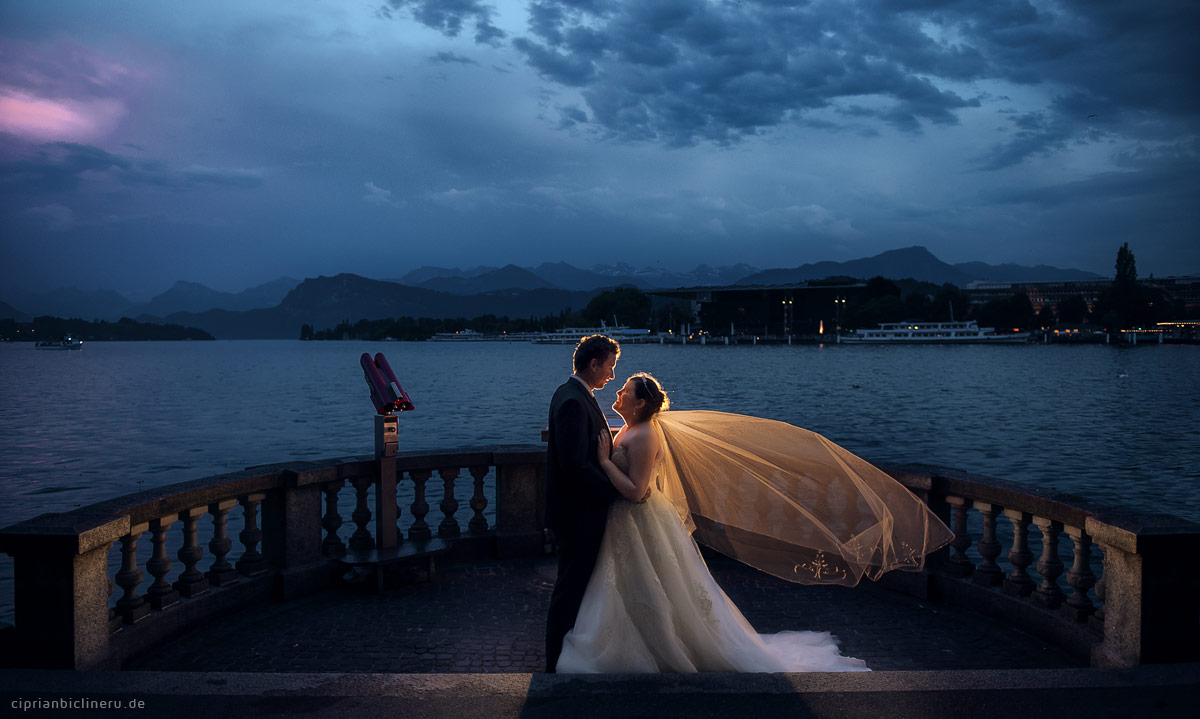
x=386 y=446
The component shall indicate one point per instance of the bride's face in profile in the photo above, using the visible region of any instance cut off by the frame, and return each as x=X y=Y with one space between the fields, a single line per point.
x=628 y=405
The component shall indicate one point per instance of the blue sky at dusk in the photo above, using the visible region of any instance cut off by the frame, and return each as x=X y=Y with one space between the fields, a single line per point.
x=231 y=142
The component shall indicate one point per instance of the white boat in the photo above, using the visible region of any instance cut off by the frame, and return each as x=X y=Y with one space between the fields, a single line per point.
x=473 y=336
x=65 y=343
x=933 y=333
x=572 y=335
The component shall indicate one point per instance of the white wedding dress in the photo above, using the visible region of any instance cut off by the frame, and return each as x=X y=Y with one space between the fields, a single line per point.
x=653 y=606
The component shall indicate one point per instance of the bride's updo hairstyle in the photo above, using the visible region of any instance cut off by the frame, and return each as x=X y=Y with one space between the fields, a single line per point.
x=647 y=388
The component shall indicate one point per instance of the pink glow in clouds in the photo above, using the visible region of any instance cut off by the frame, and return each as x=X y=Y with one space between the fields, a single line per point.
x=48 y=120
x=64 y=92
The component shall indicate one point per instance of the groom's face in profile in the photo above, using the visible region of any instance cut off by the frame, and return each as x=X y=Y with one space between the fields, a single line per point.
x=599 y=373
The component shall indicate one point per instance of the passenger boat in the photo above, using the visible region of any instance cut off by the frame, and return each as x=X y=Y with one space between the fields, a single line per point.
x=473 y=336
x=572 y=335
x=933 y=333
x=63 y=343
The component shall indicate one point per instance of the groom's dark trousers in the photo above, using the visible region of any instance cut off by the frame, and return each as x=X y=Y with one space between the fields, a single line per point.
x=578 y=495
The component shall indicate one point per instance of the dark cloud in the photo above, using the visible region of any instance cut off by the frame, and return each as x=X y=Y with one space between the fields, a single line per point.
x=446 y=57
x=449 y=17
x=678 y=72
x=62 y=167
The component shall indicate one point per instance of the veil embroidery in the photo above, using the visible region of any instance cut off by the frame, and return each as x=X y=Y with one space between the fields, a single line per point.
x=788 y=501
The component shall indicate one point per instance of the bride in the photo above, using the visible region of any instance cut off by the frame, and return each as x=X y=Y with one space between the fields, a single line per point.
x=777 y=497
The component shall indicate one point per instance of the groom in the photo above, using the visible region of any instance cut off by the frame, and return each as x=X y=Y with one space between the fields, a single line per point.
x=578 y=491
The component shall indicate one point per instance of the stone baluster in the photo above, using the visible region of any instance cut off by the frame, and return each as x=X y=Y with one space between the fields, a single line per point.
x=1049 y=565
x=191 y=582
x=478 y=523
x=1080 y=576
x=332 y=521
x=449 y=505
x=160 y=594
x=419 y=531
x=1096 y=621
x=361 y=540
x=252 y=563
x=959 y=564
x=131 y=607
x=988 y=572
x=221 y=573
x=1018 y=582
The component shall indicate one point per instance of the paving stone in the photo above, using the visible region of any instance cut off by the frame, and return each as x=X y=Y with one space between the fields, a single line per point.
x=489 y=616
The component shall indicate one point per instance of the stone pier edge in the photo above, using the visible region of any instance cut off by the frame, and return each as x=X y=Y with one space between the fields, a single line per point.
x=31 y=683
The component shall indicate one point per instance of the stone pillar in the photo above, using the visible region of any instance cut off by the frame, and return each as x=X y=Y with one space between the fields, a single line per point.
x=520 y=504
x=1151 y=612
x=292 y=525
x=61 y=590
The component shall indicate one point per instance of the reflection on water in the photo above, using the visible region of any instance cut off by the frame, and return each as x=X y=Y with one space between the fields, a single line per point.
x=1117 y=425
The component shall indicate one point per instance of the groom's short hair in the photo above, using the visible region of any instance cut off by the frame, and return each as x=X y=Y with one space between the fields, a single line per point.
x=596 y=347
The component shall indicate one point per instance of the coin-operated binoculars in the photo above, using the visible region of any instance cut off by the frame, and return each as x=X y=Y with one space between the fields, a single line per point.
x=388 y=396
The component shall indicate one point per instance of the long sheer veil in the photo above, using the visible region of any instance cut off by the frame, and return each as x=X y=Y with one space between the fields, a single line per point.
x=790 y=502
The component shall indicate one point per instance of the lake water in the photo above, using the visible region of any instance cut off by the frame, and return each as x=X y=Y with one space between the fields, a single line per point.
x=1114 y=424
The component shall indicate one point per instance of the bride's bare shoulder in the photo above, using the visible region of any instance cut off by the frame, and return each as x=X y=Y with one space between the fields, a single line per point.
x=639 y=438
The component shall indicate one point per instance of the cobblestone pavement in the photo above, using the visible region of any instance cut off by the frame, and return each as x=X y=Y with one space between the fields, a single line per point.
x=488 y=617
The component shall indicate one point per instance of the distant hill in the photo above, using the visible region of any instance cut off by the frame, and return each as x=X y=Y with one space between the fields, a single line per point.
x=1020 y=273
x=181 y=297
x=8 y=312
x=195 y=297
x=507 y=277
x=917 y=263
x=423 y=274
x=564 y=276
x=72 y=302
x=323 y=302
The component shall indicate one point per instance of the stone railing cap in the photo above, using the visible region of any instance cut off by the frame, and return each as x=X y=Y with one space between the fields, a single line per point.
x=74 y=532
x=1135 y=533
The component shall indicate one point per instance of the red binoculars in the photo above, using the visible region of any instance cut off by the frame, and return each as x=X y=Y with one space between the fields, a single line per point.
x=386 y=392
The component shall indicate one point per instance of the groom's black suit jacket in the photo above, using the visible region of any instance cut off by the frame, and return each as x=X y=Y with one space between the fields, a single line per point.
x=578 y=492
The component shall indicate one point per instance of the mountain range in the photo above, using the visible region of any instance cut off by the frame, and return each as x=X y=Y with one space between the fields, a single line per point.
x=276 y=309
x=917 y=263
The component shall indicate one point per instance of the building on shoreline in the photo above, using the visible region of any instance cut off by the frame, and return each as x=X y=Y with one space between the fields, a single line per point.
x=1185 y=289
x=801 y=308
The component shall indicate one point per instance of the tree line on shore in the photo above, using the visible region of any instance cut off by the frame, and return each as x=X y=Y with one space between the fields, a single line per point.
x=626 y=305
x=123 y=330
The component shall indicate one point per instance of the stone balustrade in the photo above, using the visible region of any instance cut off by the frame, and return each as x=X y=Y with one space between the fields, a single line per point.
x=1118 y=592
x=103 y=583
x=90 y=590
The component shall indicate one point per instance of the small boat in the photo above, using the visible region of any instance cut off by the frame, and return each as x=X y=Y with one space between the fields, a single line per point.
x=63 y=343
x=933 y=333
